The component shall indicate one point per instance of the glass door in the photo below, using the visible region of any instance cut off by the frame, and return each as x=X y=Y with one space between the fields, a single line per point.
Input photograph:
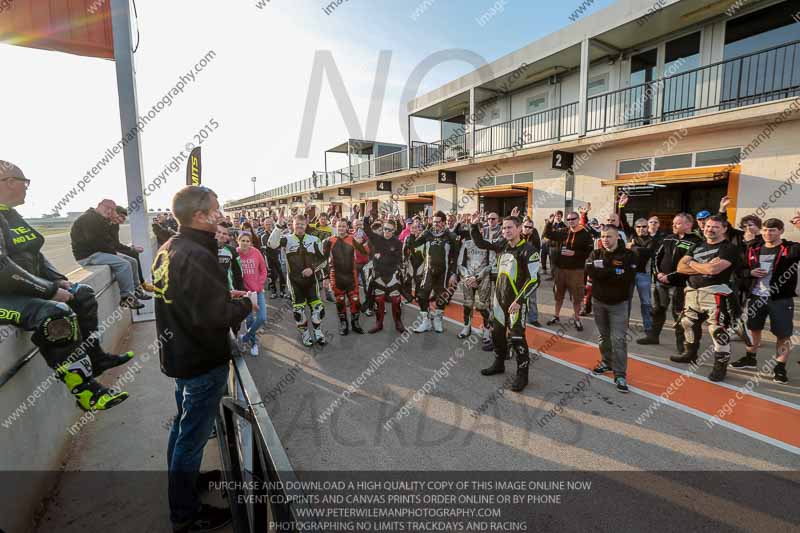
x=642 y=94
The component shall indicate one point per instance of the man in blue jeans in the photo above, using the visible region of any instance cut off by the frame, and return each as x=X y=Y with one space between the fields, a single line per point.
x=194 y=311
x=643 y=246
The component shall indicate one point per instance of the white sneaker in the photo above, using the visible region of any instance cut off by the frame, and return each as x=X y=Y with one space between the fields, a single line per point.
x=308 y=339
x=254 y=349
x=425 y=325
x=437 y=321
x=320 y=337
x=465 y=332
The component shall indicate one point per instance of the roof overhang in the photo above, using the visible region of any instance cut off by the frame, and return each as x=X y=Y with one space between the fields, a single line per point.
x=655 y=178
x=619 y=29
x=80 y=27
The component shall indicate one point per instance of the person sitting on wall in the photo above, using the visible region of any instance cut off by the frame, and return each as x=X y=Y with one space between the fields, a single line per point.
x=62 y=315
x=93 y=244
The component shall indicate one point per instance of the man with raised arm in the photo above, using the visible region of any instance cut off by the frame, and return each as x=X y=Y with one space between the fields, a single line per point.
x=517 y=276
x=304 y=258
x=439 y=270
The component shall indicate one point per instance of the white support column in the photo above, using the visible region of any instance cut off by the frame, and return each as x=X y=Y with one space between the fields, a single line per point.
x=582 y=88
x=410 y=144
x=132 y=151
x=472 y=122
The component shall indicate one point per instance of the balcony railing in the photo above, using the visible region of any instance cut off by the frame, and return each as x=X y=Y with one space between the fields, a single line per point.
x=544 y=126
x=763 y=76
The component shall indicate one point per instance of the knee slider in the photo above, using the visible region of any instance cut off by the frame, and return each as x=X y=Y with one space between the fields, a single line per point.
x=299 y=314
x=60 y=327
x=317 y=313
x=721 y=336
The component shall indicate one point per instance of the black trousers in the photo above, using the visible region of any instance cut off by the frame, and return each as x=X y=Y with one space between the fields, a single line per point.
x=509 y=331
x=51 y=321
x=662 y=295
x=433 y=284
x=277 y=281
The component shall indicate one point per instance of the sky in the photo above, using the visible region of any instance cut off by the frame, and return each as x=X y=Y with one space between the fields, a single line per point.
x=60 y=113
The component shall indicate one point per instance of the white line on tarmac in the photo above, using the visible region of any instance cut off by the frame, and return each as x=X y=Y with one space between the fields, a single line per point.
x=704 y=416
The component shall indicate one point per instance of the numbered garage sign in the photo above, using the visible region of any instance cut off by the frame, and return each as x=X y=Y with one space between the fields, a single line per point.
x=562 y=160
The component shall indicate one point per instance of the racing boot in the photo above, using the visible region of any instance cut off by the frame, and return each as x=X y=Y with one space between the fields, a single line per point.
x=89 y=394
x=343 y=326
x=437 y=321
x=466 y=331
x=498 y=367
x=397 y=314
x=354 y=325
x=380 y=312
x=520 y=381
x=720 y=366
x=308 y=338
x=523 y=363
x=425 y=325
x=688 y=355
x=102 y=361
x=319 y=336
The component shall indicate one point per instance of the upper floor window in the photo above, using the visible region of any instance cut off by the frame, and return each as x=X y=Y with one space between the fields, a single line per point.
x=597 y=85
x=536 y=103
x=768 y=27
x=682 y=54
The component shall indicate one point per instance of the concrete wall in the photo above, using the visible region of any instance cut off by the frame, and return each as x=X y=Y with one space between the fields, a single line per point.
x=35 y=443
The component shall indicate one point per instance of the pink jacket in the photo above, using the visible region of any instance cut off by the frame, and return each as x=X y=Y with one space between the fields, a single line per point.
x=254 y=269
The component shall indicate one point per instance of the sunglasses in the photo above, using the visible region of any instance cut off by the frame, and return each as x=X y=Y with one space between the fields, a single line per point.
x=388 y=229
x=492 y=218
x=641 y=227
x=26 y=181
x=570 y=219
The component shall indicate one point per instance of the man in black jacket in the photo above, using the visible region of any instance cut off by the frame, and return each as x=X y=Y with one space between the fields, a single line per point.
x=93 y=244
x=439 y=274
x=669 y=283
x=643 y=246
x=613 y=268
x=771 y=275
x=194 y=311
x=160 y=229
x=277 y=279
x=574 y=244
x=61 y=315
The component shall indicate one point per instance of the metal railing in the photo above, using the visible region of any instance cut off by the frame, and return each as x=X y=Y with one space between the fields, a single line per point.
x=544 y=126
x=764 y=76
x=253 y=457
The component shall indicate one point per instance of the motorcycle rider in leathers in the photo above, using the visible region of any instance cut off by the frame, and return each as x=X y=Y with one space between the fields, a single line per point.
x=517 y=277
x=62 y=315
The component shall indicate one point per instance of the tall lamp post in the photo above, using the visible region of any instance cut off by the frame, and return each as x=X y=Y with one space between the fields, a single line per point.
x=253 y=179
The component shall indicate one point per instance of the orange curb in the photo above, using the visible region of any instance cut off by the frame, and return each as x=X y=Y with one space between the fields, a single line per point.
x=770 y=419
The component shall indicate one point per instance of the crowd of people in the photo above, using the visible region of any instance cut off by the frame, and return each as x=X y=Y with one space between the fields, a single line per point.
x=212 y=275
x=704 y=271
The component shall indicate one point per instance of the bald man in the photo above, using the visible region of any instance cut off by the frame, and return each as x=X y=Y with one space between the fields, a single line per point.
x=93 y=244
x=61 y=315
